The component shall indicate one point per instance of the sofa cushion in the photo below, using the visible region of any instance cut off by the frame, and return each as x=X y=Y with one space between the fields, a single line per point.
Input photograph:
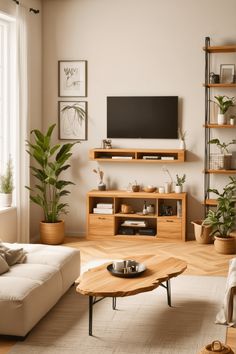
x=4 y=267
x=12 y=256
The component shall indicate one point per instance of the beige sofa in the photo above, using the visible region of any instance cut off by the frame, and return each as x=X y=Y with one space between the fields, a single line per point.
x=30 y=289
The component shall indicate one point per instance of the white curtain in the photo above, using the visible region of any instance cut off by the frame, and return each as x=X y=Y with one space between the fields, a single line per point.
x=22 y=169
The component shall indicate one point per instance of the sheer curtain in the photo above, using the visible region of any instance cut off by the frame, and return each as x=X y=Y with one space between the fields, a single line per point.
x=22 y=169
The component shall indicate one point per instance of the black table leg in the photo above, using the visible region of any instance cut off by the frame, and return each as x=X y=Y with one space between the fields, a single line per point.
x=114 y=303
x=90 y=315
x=168 y=289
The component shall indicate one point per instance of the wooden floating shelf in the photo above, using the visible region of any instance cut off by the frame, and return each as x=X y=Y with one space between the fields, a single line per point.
x=138 y=155
x=220 y=49
x=215 y=125
x=220 y=85
x=224 y=172
x=210 y=202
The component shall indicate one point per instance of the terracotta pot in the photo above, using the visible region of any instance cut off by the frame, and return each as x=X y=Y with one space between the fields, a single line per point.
x=202 y=232
x=52 y=233
x=225 y=245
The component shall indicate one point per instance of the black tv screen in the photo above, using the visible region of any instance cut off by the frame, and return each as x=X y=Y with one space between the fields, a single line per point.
x=154 y=117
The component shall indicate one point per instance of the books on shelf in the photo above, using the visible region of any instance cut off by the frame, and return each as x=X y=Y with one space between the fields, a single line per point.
x=122 y=157
x=151 y=157
x=136 y=223
x=167 y=158
x=104 y=205
x=103 y=208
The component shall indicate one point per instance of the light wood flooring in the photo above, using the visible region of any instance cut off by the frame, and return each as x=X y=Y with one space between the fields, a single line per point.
x=201 y=259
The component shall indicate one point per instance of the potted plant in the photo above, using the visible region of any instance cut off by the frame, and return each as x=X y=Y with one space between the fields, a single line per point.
x=224 y=103
x=6 y=185
x=224 y=160
x=222 y=219
x=51 y=161
x=179 y=183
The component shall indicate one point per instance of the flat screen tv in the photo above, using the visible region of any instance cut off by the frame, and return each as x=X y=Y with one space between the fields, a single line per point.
x=145 y=117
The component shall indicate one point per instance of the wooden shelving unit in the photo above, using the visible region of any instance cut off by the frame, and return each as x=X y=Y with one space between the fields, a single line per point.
x=208 y=171
x=172 y=227
x=138 y=155
x=221 y=172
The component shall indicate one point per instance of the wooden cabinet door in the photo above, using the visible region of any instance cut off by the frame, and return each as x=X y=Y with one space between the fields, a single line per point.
x=169 y=228
x=101 y=225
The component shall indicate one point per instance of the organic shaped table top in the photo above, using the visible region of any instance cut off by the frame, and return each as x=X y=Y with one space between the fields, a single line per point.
x=99 y=282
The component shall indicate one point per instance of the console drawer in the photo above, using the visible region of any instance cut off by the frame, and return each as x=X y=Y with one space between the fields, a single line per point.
x=169 y=228
x=101 y=225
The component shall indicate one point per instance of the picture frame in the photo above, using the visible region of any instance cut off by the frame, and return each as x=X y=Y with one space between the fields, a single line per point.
x=72 y=78
x=227 y=73
x=72 y=117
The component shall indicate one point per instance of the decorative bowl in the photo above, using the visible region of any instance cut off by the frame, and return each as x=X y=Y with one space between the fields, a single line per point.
x=149 y=189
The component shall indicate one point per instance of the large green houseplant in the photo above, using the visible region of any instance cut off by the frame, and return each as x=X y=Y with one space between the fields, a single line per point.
x=51 y=161
x=222 y=219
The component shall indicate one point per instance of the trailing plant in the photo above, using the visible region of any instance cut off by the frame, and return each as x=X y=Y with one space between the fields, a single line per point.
x=222 y=146
x=224 y=102
x=223 y=217
x=6 y=180
x=180 y=180
x=51 y=162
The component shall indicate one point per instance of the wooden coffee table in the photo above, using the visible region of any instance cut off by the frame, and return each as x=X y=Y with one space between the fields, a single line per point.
x=98 y=282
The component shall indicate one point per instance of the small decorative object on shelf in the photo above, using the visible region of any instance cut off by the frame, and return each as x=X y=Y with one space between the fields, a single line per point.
x=227 y=73
x=107 y=144
x=135 y=187
x=182 y=136
x=101 y=184
x=214 y=78
x=179 y=183
x=222 y=161
x=145 y=211
x=232 y=120
x=224 y=103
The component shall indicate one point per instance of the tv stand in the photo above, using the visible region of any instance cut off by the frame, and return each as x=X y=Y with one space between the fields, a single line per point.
x=138 y=155
x=167 y=221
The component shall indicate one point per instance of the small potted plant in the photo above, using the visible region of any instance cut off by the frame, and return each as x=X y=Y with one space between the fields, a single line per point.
x=224 y=103
x=6 y=185
x=222 y=219
x=224 y=160
x=179 y=183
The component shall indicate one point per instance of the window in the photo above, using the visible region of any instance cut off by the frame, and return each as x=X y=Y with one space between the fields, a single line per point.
x=7 y=90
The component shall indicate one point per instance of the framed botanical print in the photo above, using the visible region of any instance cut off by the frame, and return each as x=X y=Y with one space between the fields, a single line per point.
x=72 y=77
x=72 y=117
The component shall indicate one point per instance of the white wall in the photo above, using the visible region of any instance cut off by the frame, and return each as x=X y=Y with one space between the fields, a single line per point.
x=8 y=220
x=134 y=47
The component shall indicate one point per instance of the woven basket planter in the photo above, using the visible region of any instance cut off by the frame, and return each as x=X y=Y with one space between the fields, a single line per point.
x=216 y=347
x=225 y=245
x=202 y=232
x=52 y=233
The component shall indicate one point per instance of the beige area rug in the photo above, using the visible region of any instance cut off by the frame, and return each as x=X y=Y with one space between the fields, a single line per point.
x=142 y=324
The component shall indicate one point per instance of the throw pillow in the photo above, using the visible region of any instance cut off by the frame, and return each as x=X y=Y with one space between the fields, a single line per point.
x=12 y=256
x=4 y=267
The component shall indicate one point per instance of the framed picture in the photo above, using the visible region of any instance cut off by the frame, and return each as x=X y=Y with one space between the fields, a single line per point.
x=227 y=73
x=72 y=78
x=72 y=117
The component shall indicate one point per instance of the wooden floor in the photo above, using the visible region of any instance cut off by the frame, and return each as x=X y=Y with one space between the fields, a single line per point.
x=201 y=259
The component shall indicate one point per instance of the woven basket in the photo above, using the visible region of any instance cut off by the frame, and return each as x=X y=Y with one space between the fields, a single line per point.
x=216 y=347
